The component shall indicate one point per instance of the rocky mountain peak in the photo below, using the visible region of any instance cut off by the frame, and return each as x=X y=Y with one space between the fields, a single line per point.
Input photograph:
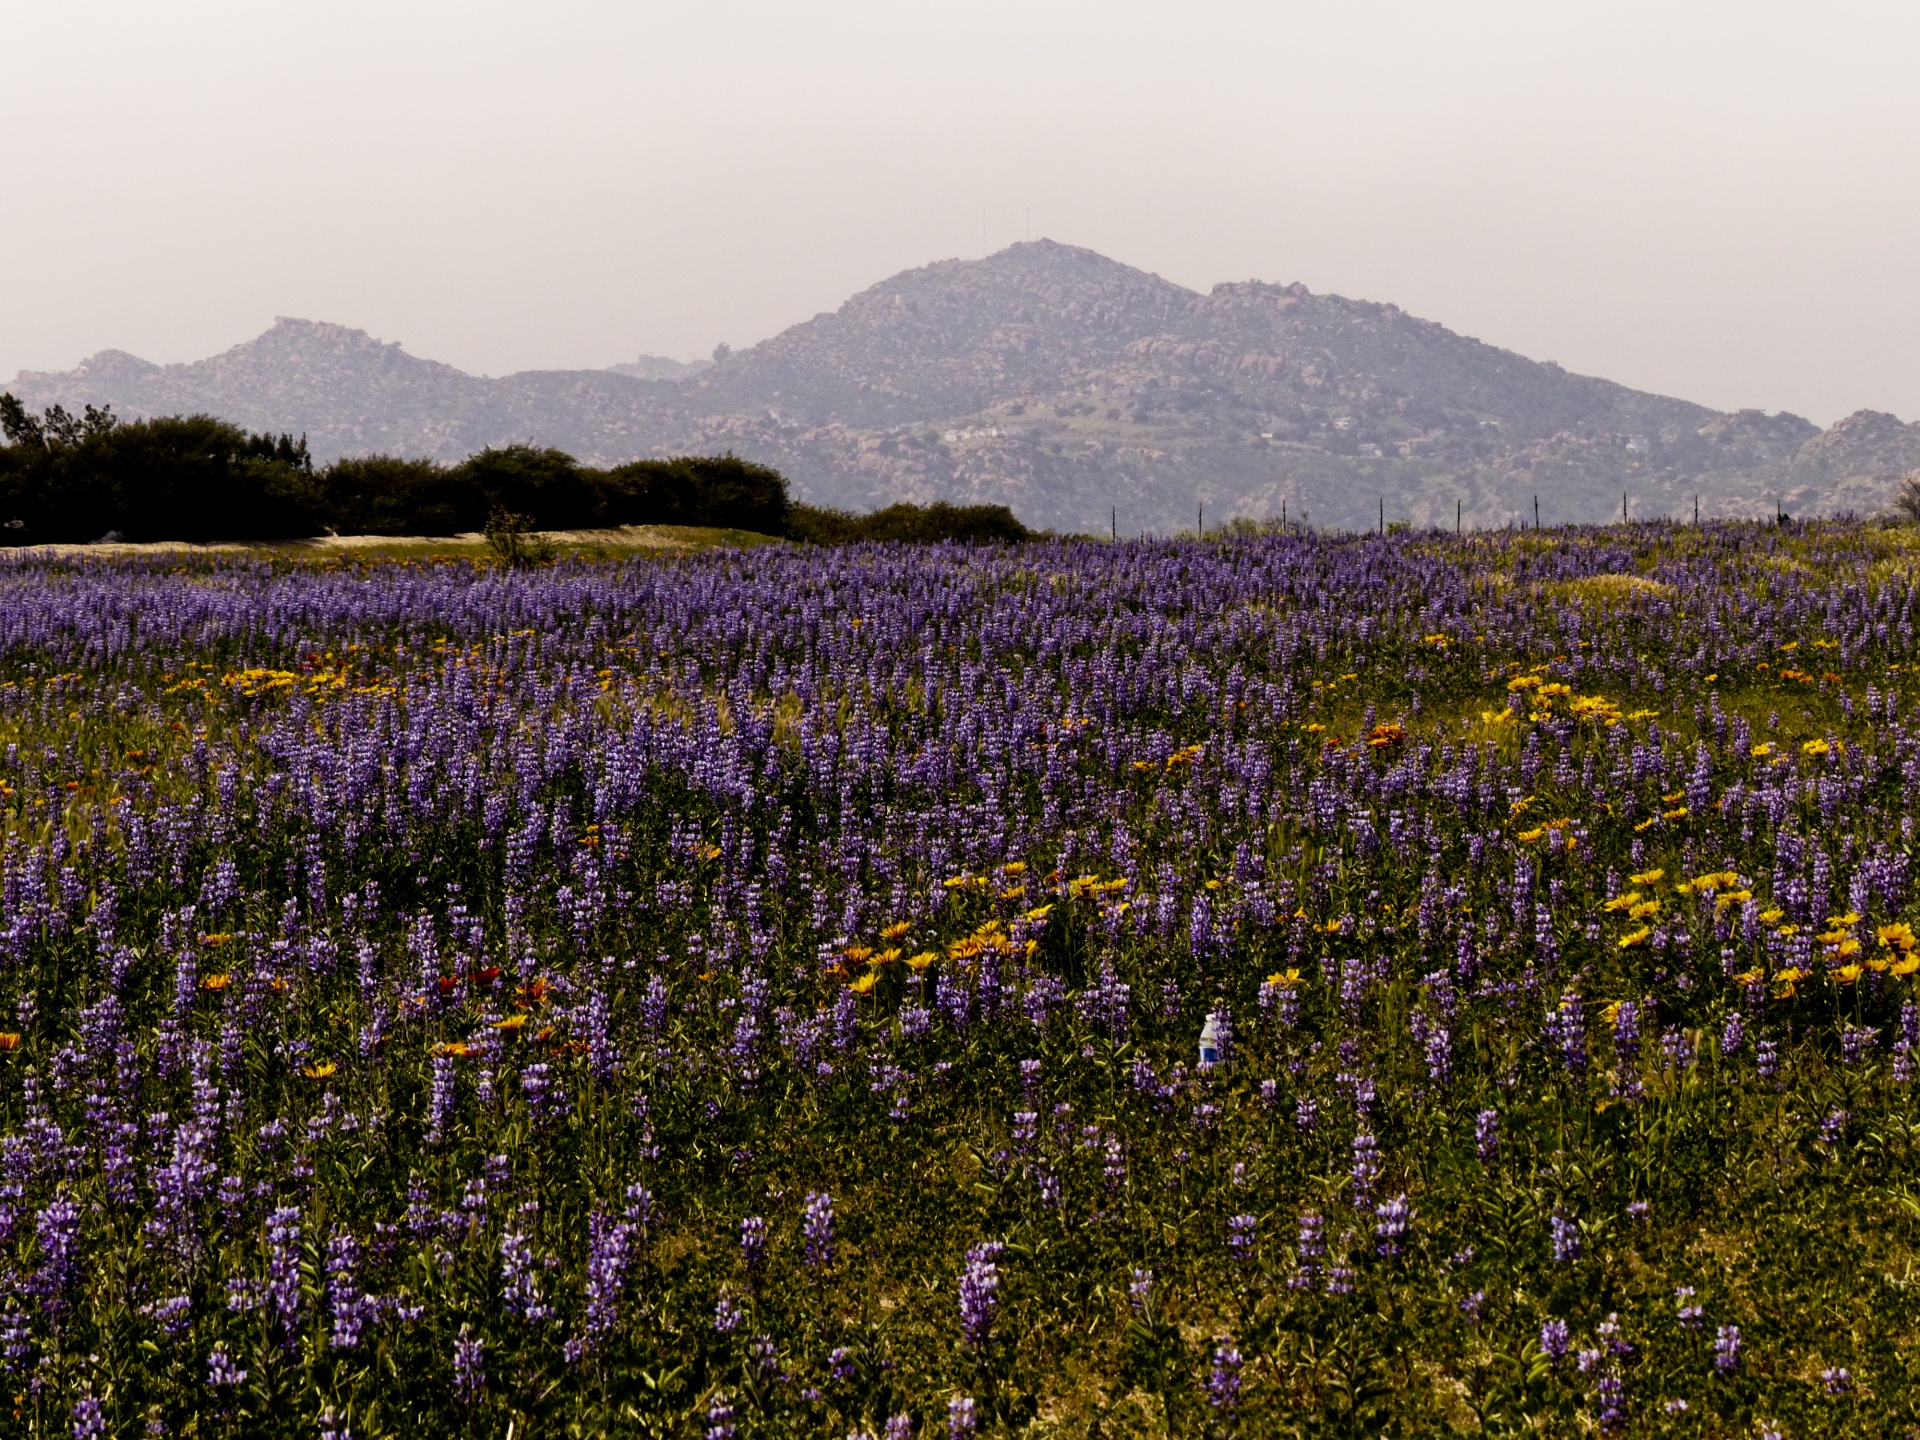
x=1066 y=384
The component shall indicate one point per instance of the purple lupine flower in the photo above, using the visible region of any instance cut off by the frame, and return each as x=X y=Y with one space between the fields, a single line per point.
x=1311 y=1248
x=1306 y=1113
x=1677 y=1049
x=898 y=1427
x=1726 y=1349
x=1626 y=1030
x=1220 y=1022
x=1834 y=1125
x=1241 y=1230
x=283 y=1270
x=1366 y=1168
x=16 y=1341
x=349 y=1306
x=1026 y=1127
x=609 y=1251
x=753 y=1244
x=1690 y=1315
x=1223 y=1385
x=1555 y=1339
x=547 y=1100
x=1566 y=1026
x=817 y=1230
x=960 y=1417
x=726 y=1316
x=88 y=1422
x=1471 y=1305
x=980 y=1293
x=469 y=1365
x=1855 y=1043
x=1140 y=1291
x=56 y=1230
x=440 y=1099
x=1609 y=1331
x=1611 y=1395
x=1733 y=1035
x=1766 y=1059
x=1395 y=1221
x=1565 y=1239
x=520 y=1280
x=221 y=1371
x=1439 y=1055
x=1837 y=1381
x=1486 y=1136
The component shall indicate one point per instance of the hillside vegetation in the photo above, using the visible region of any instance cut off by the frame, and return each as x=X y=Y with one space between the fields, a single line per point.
x=74 y=479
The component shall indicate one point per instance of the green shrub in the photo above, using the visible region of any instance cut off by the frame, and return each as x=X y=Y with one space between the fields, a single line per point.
x=68 y=478
x=188 y=477
x=909 y=524
x=717 y=490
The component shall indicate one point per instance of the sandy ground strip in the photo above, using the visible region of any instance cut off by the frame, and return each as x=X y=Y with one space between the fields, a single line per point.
x=625 y=537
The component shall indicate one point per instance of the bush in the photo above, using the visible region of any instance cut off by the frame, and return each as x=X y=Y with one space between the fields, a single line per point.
x=186 y=477
x=385 y=495
x=909 y=524
x=720 y=490
x=78 y=478
x=1906 y=504
x=548 y=487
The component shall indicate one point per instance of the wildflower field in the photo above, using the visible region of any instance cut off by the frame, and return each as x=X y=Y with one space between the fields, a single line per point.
x=762 y=993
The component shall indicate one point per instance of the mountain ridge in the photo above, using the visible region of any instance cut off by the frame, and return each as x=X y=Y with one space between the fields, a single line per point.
x=1066 y=385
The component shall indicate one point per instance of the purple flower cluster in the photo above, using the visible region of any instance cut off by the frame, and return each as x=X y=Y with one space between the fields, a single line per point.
x=818 y=1230
x=381 y=941
x=980 y=1293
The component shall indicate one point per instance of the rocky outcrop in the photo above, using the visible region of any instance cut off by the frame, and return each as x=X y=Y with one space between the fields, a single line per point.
x=1067 y=385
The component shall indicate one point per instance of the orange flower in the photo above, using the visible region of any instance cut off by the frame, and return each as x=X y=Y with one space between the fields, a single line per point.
x=1384 y=737
x=215 y=983
x=9 y=1041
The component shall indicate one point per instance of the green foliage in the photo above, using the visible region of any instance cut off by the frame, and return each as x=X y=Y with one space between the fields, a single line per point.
x=67 y=478
x=549 y=488
x=385 y=495
x=1906 y=503
x=719 y=490
x=181 y=477
x=509 y=538
x=909 y=524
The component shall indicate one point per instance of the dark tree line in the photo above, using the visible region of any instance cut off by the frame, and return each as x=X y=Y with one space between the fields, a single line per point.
x=81 y=478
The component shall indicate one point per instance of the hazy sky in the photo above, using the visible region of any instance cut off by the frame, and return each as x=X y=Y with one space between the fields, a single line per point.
x=1717 y=201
